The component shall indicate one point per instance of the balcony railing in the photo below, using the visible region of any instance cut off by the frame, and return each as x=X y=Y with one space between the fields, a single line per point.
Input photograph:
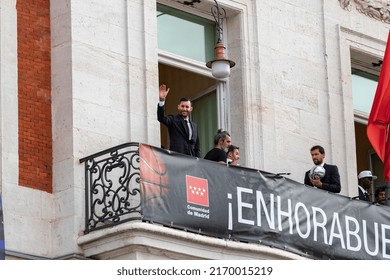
x=112 y=187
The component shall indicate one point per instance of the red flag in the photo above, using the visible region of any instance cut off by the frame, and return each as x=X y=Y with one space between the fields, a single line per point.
x=379 y=120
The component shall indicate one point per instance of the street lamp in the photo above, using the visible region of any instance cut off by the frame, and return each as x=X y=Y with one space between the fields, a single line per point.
x=220 y=66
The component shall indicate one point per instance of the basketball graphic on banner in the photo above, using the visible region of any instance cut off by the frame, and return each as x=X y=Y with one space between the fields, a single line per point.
x=2 y=243
x=153 y=175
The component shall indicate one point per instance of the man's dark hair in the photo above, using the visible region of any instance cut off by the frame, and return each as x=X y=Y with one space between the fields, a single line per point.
x=221 y=135
x=232 y=148
x=185 y=99
x=319 y=148
x=379 y=189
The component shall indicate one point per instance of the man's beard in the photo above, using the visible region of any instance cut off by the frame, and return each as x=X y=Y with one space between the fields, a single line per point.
x=317 y=162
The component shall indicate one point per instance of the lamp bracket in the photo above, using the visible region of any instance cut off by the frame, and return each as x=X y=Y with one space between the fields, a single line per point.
x=219 y=14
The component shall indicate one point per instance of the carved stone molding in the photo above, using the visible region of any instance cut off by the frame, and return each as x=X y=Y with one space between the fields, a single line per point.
x=377 y=9
x=345 y=4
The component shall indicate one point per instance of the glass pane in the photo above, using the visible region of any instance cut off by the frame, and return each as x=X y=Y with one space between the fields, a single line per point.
x=363 y=90
x=205 y=116
x=185 y=34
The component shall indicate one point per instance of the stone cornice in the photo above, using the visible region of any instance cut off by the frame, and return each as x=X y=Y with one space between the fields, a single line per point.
x=376 y=9
x=128 y=239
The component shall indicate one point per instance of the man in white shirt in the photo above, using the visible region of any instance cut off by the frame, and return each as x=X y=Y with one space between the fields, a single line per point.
x=233 y=155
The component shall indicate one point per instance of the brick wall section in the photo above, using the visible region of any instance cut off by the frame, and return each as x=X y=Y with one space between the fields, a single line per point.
x=34 y=94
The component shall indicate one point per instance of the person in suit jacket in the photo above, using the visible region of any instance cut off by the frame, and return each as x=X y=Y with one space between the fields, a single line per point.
x=183 y=133
x=330 y=181
x=365 y=179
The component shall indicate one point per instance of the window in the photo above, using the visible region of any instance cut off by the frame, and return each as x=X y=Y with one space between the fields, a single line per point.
x=186 y=41
x=205 y=115
x=185 y=34
x=363 y=90
x=365 y=73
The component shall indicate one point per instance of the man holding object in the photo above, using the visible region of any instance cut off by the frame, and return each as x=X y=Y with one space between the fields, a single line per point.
x=323 y=176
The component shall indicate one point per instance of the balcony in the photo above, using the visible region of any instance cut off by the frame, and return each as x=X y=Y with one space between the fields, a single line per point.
x=112 y=187
x=144 y=202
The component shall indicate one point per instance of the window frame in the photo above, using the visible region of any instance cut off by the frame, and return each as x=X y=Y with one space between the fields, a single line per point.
x=200 y=68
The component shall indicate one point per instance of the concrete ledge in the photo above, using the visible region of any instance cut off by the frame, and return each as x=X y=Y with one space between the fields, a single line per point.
x=138 y=241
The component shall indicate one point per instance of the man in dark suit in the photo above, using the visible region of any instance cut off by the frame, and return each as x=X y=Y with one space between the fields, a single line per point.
x=330 y=181
x=183 y=133
x=365 y=179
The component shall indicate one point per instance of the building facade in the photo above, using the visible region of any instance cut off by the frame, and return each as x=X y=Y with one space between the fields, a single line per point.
x=79 y=77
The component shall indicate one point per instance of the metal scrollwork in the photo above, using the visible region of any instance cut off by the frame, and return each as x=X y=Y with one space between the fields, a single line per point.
x=219 y=14
x=112 y=187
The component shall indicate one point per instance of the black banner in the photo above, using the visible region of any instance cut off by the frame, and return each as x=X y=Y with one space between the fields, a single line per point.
x=258 y=207
x=2 y=243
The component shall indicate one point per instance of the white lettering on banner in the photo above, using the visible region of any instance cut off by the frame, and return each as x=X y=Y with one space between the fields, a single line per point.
x=310 y=222
x=375 y=252
x=241 y=204
x=199 y=212
x=336 y=222
x=317 y=224
x=385 y=240
x=354 y=233
x=261 y=204
x=200 y=209
x=230 y=215
x=297 y=219
x=286 y=214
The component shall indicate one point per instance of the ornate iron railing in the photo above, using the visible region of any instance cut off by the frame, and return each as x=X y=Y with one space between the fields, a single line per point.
x=112 y=187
